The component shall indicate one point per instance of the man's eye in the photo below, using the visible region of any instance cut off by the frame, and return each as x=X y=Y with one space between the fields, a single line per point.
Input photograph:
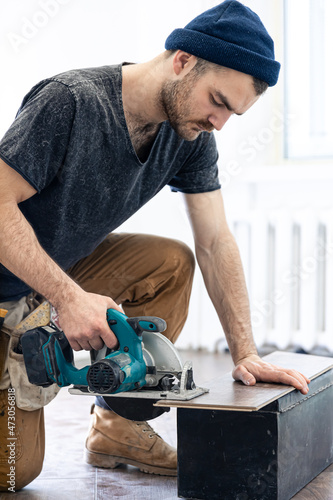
x=213 y=101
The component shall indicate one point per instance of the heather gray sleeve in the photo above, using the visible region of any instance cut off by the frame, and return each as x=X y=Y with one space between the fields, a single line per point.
x=35 y=145
x=199 y=174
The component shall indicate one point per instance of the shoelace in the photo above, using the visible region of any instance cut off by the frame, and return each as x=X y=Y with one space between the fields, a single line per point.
x=146 y=428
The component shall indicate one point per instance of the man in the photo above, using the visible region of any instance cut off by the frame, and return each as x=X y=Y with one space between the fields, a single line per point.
x=89 y=148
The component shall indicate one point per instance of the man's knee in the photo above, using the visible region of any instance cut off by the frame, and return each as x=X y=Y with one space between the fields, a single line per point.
x=22 y=444
x=177 y=255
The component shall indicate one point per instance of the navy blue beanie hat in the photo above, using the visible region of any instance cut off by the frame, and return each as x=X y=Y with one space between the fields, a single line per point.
x=230 y=35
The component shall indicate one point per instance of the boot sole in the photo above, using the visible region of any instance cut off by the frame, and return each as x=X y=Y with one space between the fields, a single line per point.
x=111 y=462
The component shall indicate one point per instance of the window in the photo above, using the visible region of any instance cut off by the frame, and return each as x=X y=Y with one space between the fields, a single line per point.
x=308 y=78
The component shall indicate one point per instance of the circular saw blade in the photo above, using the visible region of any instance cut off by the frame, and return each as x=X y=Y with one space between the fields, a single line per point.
x=137 y=409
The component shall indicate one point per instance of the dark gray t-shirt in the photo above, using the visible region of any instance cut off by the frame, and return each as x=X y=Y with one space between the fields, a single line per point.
x=71 y=143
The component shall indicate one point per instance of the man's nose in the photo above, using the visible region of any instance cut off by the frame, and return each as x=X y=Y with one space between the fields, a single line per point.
x=219 y=119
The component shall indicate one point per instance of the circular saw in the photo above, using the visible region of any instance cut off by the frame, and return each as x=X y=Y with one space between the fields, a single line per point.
x=143 y=369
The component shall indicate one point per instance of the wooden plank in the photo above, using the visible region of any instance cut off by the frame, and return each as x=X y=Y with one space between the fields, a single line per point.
x=310 y=366
x=226 y=394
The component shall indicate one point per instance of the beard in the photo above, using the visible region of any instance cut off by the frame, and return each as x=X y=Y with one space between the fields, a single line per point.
x=175 y=99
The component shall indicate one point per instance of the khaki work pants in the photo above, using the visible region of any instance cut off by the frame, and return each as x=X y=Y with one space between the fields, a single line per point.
x=149 y=276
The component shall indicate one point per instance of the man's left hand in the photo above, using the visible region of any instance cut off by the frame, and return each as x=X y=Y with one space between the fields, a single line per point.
x=253 y=369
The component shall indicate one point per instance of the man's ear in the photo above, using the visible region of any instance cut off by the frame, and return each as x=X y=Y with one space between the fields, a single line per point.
x=183 y=62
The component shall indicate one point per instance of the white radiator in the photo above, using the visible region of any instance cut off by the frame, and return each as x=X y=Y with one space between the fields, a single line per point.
x=288 y=262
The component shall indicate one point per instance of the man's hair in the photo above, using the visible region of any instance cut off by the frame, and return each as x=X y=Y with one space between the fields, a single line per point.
x=259 y=86
x=202 y=66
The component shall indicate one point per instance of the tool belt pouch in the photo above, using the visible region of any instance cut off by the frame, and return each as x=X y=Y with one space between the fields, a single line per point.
x=28 y=397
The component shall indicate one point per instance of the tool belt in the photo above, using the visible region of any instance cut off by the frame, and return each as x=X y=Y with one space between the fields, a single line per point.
x=25 y=314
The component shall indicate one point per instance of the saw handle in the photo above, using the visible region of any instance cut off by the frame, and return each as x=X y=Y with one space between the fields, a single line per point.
x=142 y=324
x=129 y=330
x=139 y=324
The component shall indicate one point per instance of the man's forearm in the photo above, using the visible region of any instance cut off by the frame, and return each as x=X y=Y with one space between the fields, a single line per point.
x=221 y=266
x=82 y=315
x=224 y=278
x=21 y=253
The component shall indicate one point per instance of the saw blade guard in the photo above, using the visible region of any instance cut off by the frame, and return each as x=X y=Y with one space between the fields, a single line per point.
x=160 y=353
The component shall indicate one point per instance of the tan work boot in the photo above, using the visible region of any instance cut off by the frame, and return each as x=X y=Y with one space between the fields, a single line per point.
x=113 y=440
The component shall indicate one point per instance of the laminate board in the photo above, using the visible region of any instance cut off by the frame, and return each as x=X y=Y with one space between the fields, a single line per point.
x=226 y=394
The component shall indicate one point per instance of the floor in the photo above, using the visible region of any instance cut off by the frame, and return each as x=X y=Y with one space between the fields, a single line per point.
x=66 y=476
